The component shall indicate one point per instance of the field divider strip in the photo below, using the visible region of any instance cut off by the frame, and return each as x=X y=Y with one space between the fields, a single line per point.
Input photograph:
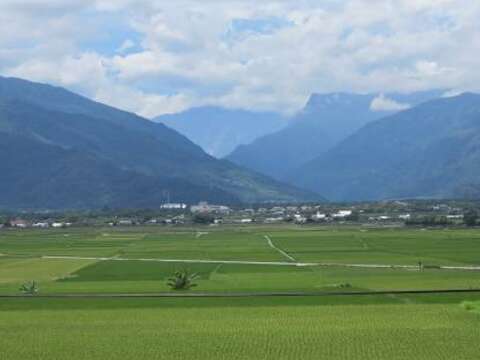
x=272 y=245
x=236 y=262
x=270 y=263
x=244 y=294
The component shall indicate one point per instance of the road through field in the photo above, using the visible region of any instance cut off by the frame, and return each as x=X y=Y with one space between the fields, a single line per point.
x=233 y=262
x=270 y=243
x=271 y=263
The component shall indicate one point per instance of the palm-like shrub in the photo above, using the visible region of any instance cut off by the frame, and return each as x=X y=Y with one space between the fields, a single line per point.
x=182 y=280
x=29 y=288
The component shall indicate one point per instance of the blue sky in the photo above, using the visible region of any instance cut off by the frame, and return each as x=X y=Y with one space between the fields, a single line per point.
x=156 y=57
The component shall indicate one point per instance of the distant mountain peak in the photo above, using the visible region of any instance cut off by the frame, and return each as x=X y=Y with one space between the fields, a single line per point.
x=326 y=120
x=318 y=100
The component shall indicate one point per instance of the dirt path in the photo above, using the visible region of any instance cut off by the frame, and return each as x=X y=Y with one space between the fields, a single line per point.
x=199 y=234
x=272 y=245
x=268 y=263
x=237 y=262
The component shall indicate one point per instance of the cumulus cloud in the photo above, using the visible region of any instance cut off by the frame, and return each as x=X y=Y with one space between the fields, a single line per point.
x=165 y=56
x=383 y=103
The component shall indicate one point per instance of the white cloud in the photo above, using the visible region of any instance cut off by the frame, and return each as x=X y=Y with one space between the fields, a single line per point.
x=383 y=103
x=85 y=72
x=431 y=68
x=145 y=104
x=181 y=53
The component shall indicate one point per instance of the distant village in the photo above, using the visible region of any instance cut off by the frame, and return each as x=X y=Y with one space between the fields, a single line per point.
x=394 y=213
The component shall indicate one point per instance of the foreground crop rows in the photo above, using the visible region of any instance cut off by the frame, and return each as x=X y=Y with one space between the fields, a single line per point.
x=236 y=329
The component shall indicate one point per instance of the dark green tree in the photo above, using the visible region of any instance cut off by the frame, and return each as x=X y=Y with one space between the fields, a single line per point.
x=470 y=217
x=203 y=218
x=354 y=216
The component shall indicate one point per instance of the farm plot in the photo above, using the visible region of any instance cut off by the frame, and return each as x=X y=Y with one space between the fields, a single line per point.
x=71 y=242
x=273 y=328
x=397 y=246
x=215 y=245
x=82 y=271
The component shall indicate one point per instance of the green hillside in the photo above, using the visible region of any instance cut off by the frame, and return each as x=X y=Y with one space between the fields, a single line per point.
x=112 y=145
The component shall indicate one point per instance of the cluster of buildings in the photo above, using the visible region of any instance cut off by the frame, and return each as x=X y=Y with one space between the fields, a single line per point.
x=296 y=214
x=388 y=212
x=24 y=224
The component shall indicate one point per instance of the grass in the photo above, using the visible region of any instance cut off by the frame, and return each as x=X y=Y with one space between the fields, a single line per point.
x=15 y=270
x=388 y=246
x=422 y=327
x=473 y=306
x=262 y=328
x=135 y=270
x=22 y=252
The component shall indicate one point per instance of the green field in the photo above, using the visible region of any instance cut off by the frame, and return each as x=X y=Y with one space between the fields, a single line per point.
x=247 y=328
x=112 y=261
x=23 y=259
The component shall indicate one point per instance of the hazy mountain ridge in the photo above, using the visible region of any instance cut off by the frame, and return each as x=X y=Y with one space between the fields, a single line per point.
x=219 y=130
x=432 y=150
x=139 y=153
x=50 y=177
x=326 y=120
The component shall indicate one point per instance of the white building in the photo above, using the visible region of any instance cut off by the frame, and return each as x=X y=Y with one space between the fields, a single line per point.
x=19 y=223
x=273 y=220
x=60 y=225
x=41 y=225
x=173 y=206
x=319 y=216
x=299 y=219
x=342 y=214
x=454 y=217
x=125 y=222
x=248 y=211
x=205 y=207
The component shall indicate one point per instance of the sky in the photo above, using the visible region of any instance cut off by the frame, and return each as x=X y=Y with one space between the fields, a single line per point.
x=157 y=57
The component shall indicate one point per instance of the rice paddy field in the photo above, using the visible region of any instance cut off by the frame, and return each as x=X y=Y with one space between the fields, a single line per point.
x=81 y=270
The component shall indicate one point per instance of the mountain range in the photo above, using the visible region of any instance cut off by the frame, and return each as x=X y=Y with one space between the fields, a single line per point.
x=62 y=150
x=431 y=150
x=218 y=130
x=326 y=120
